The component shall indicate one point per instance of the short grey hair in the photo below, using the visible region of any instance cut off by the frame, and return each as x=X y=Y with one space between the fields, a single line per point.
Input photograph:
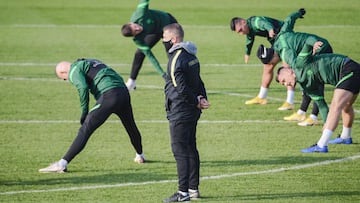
x=176 y=29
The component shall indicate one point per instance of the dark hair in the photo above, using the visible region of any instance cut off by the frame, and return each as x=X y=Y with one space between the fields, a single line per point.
x=233 y=21
x=126 y=30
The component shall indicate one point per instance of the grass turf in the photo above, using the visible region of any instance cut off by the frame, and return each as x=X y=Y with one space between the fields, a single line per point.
x=248 y=153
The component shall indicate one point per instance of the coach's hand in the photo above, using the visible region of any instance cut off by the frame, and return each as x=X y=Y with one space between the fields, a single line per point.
x=203 y=103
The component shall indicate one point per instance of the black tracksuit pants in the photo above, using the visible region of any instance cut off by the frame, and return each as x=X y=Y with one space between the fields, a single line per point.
x=183 y=145
x=116 y=101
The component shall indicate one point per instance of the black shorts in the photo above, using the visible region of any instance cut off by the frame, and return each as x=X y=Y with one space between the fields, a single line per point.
x=350 y=77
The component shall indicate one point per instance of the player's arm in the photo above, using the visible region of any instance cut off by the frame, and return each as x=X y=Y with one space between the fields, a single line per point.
x=78 y=79
x=315 y=43
x=142 y=7
x=288 y=56
x=249 y=44
x=300 y=60
x=261 y=23
x=289 y=22
x=148 y=53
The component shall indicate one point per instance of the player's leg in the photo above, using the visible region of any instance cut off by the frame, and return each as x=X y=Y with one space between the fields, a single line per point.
x=124 y=111
x=300 y=115
x=312 y=119
x=340 y=99
x=266 y=79
x=348 y=116
x=95 y=118
x=289 y=103
x=150 y=40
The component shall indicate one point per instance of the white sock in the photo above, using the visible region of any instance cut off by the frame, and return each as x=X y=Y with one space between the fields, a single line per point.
x=346 y=133
x=263 y=92
x=301 y=112
x=183 y=193
x=140 y=155
x=191 y=190
x=63 y=162
x=325 y=137
x=312 y=116
x=130 y=81
x=290 y=96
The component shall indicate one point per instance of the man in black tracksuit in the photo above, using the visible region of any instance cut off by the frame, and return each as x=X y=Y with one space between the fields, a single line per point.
x=185 y=97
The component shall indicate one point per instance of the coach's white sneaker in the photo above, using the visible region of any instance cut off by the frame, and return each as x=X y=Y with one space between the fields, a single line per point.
x=131 y=84
x=139 y=158
x=194 y=194
x=54 y=168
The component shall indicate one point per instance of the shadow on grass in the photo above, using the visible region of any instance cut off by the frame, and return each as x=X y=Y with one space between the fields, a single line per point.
x=97 y=175
x=283 y=160
x=78 y=178
x=103 y=176
x=298 y=195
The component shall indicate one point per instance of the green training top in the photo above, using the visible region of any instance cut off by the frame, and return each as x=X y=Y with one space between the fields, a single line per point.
x=105 y=79
x=289 y=44
x=153 y=22
x=260 y=26
x=289 y=23
x=313 y=71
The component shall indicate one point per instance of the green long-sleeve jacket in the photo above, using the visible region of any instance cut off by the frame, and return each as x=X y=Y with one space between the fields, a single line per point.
x=260 y=26
x=153 y=22
x=289 y=44
x=95 y=83
x=314 y=71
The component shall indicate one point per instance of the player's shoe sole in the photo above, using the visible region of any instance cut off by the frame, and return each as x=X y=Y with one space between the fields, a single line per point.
x=339 y=140
x=53 y=168
x=315 y=148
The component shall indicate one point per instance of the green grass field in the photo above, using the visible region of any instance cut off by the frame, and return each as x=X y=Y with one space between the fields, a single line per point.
x=248 y=153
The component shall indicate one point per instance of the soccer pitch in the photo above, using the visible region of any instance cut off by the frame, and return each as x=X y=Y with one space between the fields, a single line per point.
x=248 y=153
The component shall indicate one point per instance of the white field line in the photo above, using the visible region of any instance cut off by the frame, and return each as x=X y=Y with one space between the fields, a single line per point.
x=34 y=64
x=147 y=87
x=216 y=27
x=147 y=121
x=139 y=121
x=270 y=171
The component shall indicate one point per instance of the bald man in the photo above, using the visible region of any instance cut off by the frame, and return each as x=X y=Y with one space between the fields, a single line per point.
x=112 y=96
